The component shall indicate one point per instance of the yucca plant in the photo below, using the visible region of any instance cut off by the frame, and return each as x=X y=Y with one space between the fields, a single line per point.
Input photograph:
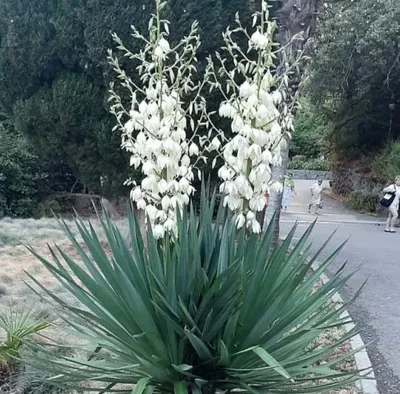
x=212 y=310
x=16 y=327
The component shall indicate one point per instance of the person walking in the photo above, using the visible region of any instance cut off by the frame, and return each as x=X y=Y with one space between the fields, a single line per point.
x=316 y=192
x=392 y=198
x=288 y=190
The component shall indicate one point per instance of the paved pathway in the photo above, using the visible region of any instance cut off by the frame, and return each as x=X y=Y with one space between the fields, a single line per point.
x=376 y=257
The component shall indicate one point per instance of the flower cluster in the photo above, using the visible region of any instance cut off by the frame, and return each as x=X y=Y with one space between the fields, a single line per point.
x=259 y=120
x=156 y=126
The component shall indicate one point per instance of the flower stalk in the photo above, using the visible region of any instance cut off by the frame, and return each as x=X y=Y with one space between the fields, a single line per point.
x=161 y=127
x=254 y=101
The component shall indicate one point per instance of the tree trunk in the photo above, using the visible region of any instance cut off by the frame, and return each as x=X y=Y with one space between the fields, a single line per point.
x=275 y=199
x=295 y=16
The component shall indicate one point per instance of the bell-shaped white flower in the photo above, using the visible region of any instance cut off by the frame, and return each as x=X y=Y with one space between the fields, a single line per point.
x=136 y=194
x=164 y=45
x=245 y=89
x=162 y=186
x=215 y=143
x=158 y=53
x=159 y=231
x=143 y=107
x=141 y=204
x=193 y=149
x=277 y=97
x=240 y=221
x=165 y=203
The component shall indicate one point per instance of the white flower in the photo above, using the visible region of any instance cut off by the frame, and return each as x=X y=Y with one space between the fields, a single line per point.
x=215 y=143
x=185 y=161
x=276 y=97
x=226 y=110
x=240 y=221
x=163 y=186
x=165 y=203
x=237 y=124
x=151 y=93
x=184 y=185
x=164 y=45
x=141 y=204
x=143 y=107
x=129 y=126
x=159 y=231
x=250 y=216
x=255 y=38
x=136 y=194
x=257 y=203
x=246 y=90
x=163 y=161
x=158 y=53
x=255 y=153
x=259 y=40
x=147 y=167
x=169 y=225
x=193 y=150
x=254 y=226
x=160 y=147
x=135 y=161
x=152 y=108
x=276 y=129
x=262 y=112
x=149 y=183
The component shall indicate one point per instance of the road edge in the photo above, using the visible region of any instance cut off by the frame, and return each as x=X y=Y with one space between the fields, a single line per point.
x=363 y=362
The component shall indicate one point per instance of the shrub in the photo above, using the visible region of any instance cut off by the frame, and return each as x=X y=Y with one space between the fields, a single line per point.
x=311 y=129
x=386 y=165
x=48 y=208
x=212 y=310
x=304 y=163
x=364 y=200
x=15 y=328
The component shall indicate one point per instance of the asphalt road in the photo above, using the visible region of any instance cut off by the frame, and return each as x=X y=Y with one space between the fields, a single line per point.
x=375 y=256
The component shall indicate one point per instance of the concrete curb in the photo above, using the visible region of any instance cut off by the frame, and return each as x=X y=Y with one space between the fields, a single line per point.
x=323 y=220
x=363 y=362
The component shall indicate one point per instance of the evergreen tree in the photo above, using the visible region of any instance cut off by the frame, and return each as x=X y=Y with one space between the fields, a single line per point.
x=54 y=74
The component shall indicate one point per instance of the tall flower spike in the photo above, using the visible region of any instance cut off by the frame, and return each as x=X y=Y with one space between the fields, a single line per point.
x=253 y=94
x=159 y=130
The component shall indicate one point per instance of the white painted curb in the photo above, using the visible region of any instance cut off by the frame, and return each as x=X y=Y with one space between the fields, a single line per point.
x=368 y=386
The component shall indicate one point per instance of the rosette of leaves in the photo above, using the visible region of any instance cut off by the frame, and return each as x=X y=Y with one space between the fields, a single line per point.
x=214 y=310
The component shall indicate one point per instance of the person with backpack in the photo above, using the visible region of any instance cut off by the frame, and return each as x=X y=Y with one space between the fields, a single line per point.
x=391 y=201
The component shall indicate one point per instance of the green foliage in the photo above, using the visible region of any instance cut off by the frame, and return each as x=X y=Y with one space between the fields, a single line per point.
x=309 y=148
x=48 y=208
x=54 y=74
x=355 y=75
x=386 y=165
x=17 y=327
x=364 y=201
x=310 y=130
x=25 y=180
x=213 y=310
x=304 y=163
x=21 y=174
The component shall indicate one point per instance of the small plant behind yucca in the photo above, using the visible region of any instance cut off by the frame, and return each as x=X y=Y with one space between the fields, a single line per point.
x=212 y=310
x=16 y=327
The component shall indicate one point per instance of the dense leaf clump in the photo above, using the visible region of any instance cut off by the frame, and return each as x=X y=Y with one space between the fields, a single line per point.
x=212 y=310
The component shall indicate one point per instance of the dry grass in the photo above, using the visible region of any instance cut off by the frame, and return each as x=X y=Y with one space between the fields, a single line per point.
x=16 y=260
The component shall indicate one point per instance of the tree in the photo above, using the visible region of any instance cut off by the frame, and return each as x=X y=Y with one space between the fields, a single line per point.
x=25 y=181
x=54 y=74
x=355 y=75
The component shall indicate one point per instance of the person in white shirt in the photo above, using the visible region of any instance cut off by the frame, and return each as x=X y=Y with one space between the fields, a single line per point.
x=316 y=191
x=394 y=206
